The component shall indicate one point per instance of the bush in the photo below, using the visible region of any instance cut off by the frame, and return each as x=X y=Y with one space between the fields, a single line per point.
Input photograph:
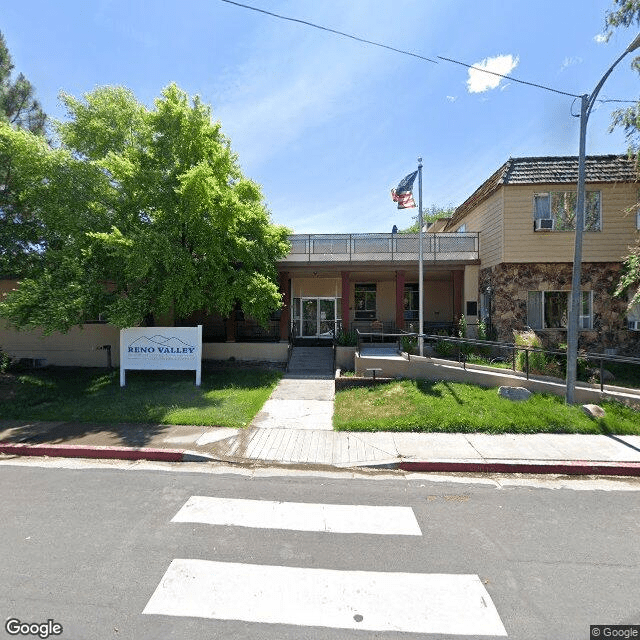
x=347 y=338
x=409 y=343
x=5 y=361
x=538 y=361
x=444 y=348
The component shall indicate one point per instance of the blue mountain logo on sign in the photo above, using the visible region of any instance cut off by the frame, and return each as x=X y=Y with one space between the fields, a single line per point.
x=160 y=344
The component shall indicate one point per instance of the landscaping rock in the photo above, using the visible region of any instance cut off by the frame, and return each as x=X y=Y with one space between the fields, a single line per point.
x=607 y=376
x=516 y=394
x=593 y=410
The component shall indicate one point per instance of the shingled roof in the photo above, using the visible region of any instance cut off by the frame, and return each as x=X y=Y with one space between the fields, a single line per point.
x=548 y=170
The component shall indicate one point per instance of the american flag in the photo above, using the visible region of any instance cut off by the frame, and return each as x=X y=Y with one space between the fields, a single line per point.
x=402 y=193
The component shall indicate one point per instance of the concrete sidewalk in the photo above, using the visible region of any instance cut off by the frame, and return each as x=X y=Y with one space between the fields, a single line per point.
x=449 y=452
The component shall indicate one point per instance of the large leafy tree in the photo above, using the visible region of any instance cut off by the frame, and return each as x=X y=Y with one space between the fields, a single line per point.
x=626 y=13
x=19 y=230
x=146 y=212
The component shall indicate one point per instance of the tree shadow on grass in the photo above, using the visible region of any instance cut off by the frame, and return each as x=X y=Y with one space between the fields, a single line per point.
x=64 y=404
x=428 y=388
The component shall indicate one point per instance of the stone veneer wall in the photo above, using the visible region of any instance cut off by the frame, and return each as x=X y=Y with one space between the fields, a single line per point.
x=511 y=282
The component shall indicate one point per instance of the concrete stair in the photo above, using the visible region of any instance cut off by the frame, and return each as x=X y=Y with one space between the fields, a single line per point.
x=311 y=362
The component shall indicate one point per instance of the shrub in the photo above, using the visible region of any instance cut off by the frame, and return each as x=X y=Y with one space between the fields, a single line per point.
x=347 y=338
x=538 y=361
x=444 y=348
x=409 y=343
x=5 y=361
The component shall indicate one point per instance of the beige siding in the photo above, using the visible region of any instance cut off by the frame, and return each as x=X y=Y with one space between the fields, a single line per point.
x=471 y=276
x=487 y=219
x=522 y=244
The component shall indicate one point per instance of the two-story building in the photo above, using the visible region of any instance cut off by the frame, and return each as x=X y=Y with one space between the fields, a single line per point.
x=525 y=215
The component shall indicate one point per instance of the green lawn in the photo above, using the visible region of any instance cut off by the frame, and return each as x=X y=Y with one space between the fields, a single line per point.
x=411 y=405
x=229 y=398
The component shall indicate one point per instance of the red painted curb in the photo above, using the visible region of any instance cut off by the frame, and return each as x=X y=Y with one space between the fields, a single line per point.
x=87 y=451
x=577 y=467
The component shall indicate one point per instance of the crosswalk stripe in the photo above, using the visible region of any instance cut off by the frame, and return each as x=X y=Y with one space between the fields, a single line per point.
x=299 y=516
x=373 y=601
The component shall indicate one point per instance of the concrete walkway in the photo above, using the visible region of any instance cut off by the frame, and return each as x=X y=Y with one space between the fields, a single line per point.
x=295 y=428
x=304 y=397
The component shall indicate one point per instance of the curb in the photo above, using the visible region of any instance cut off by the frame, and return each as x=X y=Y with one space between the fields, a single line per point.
x=566 y=467
x=105 y=453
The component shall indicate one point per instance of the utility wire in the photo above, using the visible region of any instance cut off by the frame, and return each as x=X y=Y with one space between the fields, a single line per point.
x=410 y=53
x=340 y=33
x=493 y=73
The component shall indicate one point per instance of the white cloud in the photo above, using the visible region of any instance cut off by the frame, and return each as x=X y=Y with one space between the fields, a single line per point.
x=452 y=98
x=569 y=62
x=479 y=81
x=600 y=38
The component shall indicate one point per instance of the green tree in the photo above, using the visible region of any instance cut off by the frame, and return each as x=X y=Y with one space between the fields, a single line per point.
x=429 y=214
x=18 y=104
x=145 y=212
x=626 y=13
x=19 y=230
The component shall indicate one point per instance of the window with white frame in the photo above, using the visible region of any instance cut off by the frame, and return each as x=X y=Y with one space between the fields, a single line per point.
x=365 y=301
x=550 y=309
x=560 y=206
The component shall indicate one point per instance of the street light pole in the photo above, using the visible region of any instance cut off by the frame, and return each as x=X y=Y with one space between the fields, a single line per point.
x=586 y=105
x=420 y=265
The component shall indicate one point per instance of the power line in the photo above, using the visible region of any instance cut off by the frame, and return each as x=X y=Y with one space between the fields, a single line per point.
x=340 y=33
x=494 y=73
x=410 y=53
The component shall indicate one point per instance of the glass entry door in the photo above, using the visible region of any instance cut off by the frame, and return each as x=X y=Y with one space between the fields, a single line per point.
x=316 y=317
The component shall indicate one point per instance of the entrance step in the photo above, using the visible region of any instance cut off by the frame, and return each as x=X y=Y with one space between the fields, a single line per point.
x=311 y=362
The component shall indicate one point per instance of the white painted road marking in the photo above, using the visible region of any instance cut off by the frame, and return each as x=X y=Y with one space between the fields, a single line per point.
x=374 y=601
x=299 y=516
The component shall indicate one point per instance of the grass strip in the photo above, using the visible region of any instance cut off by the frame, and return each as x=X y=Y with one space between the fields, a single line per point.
x=228 y=398
x=420 y=405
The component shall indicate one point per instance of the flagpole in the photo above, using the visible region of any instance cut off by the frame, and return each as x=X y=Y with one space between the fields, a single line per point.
x=420 y=263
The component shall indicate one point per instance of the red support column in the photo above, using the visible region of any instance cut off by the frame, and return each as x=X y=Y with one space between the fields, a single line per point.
x=399 y=299
x=286 y=306
x=345 y=299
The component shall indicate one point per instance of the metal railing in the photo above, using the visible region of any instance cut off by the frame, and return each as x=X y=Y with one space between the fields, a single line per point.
x=512 y=350
x=394 y=247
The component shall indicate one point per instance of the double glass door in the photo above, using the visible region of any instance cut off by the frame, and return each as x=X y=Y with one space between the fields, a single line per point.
x=316 y=317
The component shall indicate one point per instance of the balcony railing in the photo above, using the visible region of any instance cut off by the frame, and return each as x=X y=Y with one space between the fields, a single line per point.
x=388 y=247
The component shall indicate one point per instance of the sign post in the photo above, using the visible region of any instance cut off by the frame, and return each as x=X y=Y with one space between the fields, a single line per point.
x=161 y=348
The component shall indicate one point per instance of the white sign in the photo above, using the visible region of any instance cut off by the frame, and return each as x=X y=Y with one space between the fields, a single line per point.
x=147 y=348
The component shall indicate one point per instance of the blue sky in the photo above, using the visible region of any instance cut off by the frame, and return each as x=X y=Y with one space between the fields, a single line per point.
x=327 y=125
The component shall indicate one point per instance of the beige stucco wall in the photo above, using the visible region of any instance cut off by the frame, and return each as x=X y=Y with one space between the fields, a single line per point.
x=523 y=244
x=246 y=351
x=78 y=347
x=316 y=287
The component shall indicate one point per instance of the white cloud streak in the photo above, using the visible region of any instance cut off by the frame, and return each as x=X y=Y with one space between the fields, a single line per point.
x=479 y=81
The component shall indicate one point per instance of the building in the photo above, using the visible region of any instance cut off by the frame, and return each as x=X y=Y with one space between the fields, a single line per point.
x=505 y=256
x=525 y=215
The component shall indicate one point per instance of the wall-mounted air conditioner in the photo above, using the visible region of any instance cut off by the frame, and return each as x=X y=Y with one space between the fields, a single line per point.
x=633 y=325
x=544 y=224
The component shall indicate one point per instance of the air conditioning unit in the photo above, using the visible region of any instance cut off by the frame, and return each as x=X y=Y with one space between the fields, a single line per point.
x=544 y=224
x=633 y=325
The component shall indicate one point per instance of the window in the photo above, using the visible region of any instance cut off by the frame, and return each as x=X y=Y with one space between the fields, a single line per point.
x=365 y=301
x=462 y=228
x=411 y=302
x=560 y=206
x=472 y=307
x=550 y=309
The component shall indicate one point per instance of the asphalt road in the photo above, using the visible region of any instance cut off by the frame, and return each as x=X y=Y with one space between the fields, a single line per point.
x=93 y=548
